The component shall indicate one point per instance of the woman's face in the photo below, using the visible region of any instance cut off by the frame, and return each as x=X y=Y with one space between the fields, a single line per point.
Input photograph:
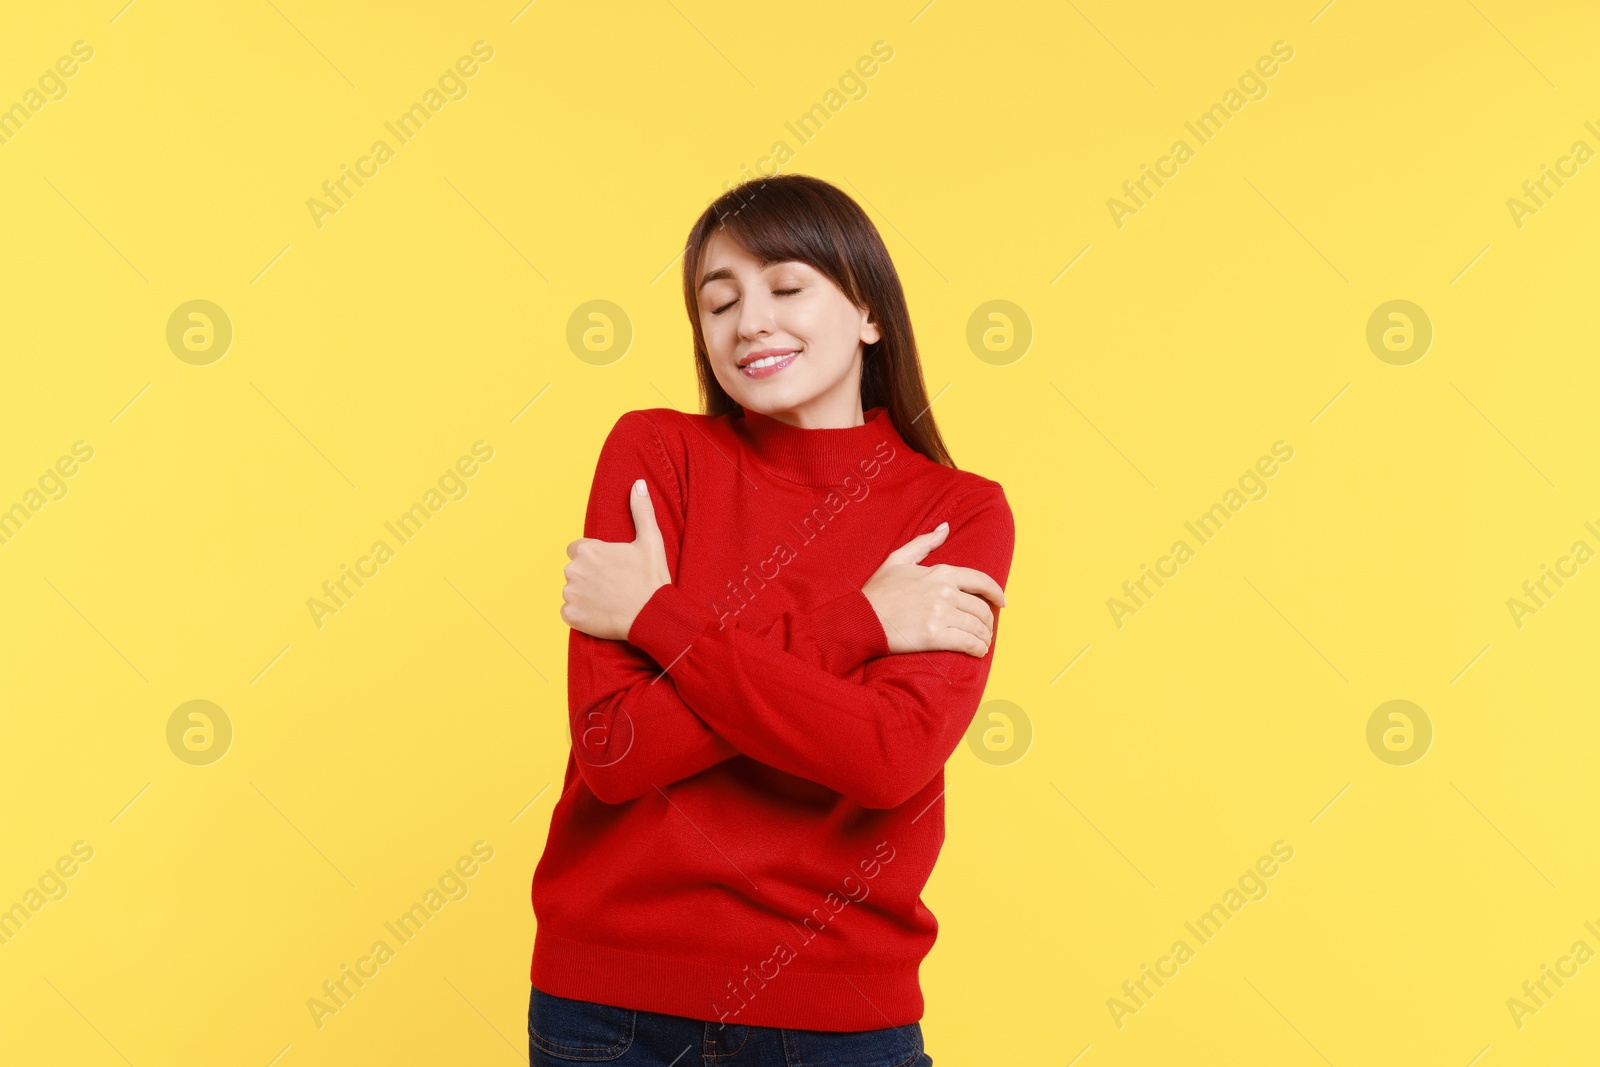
x=792 y=310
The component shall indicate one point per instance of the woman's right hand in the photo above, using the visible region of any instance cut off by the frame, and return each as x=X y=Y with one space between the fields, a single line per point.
x=924 y=609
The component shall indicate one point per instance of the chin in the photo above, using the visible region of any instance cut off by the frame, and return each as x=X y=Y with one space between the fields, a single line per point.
x=767 y=397
x=776 y=400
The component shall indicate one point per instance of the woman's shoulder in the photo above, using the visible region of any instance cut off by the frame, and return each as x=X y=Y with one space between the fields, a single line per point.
x=673 y=430
x=677 y=441
x=963 y=498
x=644 y=420
x=663 y=418
x=983 y=530
x=973 y=494
x=954 y=485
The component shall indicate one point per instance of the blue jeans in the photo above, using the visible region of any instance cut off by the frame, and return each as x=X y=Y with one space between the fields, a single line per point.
x=562 y=1031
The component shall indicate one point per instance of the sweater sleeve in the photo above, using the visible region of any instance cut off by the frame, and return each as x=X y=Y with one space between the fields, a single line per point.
x=878 y=741
x=631 y=730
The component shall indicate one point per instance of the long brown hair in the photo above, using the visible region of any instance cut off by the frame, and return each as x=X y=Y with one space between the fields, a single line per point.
x=798 y=217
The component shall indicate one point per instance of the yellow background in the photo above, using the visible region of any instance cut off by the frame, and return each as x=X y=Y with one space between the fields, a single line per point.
x=368 y=354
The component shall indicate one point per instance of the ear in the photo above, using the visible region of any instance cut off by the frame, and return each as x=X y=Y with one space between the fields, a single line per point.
x=869 y=330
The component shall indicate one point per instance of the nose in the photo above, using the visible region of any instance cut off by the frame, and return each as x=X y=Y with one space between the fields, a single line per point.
x=756 y=311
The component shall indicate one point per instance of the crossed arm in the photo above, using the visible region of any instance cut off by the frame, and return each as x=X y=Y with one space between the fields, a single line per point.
x=684 y=693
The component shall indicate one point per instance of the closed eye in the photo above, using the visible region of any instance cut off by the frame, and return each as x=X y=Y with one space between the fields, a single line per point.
x=776 y=292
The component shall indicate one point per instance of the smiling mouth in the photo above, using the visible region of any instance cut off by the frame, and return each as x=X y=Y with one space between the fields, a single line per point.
x=766 y=353
x=768 y=365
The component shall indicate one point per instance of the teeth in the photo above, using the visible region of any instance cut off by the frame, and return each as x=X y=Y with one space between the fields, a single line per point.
x=769 y=361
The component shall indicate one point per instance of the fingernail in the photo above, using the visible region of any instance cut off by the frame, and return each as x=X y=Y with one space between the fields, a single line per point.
x=638 y=487
x=941 y=526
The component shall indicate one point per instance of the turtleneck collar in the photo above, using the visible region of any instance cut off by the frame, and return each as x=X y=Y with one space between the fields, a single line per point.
x=820 y=457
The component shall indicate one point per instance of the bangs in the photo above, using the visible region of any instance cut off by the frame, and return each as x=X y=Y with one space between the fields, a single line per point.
x=775 y=222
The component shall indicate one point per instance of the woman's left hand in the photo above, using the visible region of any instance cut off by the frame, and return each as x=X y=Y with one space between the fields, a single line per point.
x=609 y=582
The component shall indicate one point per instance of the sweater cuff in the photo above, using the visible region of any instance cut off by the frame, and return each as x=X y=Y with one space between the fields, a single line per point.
x=849 y=626
x=667 y=625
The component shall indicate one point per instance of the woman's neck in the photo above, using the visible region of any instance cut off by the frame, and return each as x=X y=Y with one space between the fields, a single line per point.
x=823 y=455
x=823 y=413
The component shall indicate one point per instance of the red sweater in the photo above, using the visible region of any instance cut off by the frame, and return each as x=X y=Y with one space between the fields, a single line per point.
x=745 y=835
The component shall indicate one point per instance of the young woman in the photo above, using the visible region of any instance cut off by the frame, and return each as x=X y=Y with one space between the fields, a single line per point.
x=783 y=615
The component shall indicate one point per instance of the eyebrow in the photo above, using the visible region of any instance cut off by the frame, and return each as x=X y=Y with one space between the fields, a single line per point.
x=724 y=272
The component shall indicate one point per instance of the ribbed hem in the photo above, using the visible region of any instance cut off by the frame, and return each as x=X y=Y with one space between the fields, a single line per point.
x=760 y=993
x=849 y=626
x=667 y=625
